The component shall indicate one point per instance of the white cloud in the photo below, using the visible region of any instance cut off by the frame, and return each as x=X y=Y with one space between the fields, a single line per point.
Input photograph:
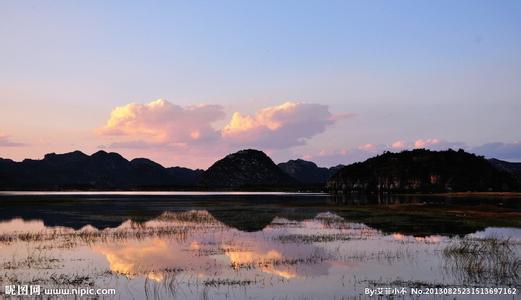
x=283 y=126
x=160 y=122
x=186 y=134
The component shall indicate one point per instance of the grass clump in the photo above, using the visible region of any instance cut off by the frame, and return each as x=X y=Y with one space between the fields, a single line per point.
x=489 y=260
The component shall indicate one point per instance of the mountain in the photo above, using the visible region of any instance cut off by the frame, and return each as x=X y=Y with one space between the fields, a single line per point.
x=513 y=168
x=408 y=171
x=423 y=170
x=308 y=172
x=101 y=170
x=246 y=169
x=185 y=176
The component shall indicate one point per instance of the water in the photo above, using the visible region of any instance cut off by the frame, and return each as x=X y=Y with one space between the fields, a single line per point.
x=250 y=245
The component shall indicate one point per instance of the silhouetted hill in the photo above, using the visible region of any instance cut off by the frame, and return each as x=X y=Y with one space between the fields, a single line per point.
x=513 y=168
x=102 y=170
x=246 y=169
x=423 y=170
x=185 y=176
x=409 y=171
x=308 y=172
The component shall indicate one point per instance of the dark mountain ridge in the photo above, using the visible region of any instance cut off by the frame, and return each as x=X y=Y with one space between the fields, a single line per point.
x=513 y=168
x=308 y=172
x=101 y=170
x=423 y=170
x=409 y=171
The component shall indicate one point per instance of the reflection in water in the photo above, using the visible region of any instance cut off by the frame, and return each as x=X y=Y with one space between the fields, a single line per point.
x=192 y=254
x=391 y=199
x=135 y=258
x=19 y=225
x=243 y=211
x=425 y=239
x=514 y=234
x=205 y=251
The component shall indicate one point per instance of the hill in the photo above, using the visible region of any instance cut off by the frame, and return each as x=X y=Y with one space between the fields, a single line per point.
x=308 y=172
x=246 y=169
x=423 y=170
x=101 y=170
x=510 y=167
x=409 y=171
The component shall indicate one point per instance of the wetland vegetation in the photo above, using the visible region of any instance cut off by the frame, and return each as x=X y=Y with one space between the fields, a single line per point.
x=282 y=246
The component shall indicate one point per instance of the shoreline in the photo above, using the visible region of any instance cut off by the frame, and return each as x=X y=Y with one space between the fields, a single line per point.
x=157 y=193
x=467 y=194
x=255 y=191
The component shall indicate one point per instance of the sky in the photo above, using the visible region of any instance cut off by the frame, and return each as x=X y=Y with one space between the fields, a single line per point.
x=187 y=82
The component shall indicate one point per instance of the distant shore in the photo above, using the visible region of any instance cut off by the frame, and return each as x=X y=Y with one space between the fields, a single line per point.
x=468 y=194
x=264 y=190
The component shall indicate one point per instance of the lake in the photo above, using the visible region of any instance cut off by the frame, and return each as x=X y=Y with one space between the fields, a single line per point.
x=197 y=245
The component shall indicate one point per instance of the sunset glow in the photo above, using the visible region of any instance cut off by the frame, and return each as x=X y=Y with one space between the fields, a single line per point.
x=323 y=83
x=260 y=149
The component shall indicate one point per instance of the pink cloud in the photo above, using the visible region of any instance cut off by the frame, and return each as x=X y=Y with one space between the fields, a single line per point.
x=5 y=141
x=161 y=122
x=162 y=129
x=324 y=152
x=367 y=147
x=278 y=127
x=426 y=143
x=399 y=144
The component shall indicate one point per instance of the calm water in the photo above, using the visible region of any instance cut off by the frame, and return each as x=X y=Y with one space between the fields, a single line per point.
x=244 y=246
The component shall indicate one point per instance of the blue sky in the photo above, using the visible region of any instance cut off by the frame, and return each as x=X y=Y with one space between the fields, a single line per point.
x=447 y=71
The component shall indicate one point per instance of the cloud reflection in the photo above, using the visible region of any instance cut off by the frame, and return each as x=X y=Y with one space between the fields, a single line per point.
x=208 y=254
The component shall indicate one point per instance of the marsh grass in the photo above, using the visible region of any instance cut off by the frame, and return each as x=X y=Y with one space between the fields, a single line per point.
x=169 y=285
x=55 y=239
x=61 y=238
x=216 y=282
x=382 y=256
x=265 y=263
x=31 y=262
x=315 y=238
x=177 y=225
x=36 y=258
x=71 y=280
x=407 y=283
x=489 y=260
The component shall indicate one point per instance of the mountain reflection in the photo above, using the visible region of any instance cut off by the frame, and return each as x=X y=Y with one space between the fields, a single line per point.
x=192 y=254
x=245 y=213
x=207 y=247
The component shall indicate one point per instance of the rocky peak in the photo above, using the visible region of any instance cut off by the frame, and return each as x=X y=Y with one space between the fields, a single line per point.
x=246 y=169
